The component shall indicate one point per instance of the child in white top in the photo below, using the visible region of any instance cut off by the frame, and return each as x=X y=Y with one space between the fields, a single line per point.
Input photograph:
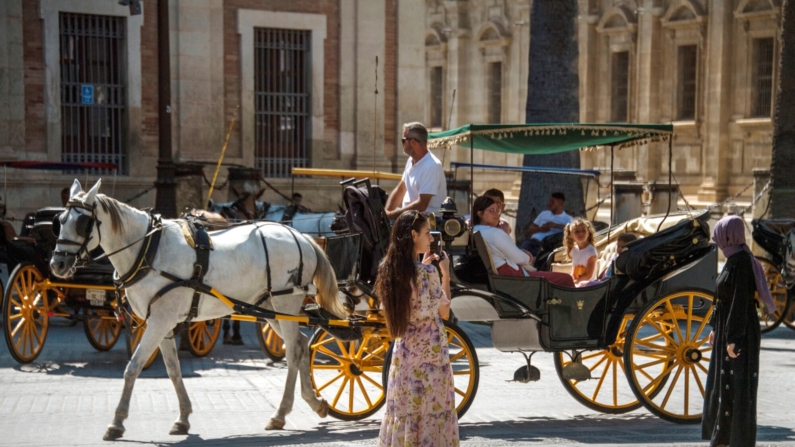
x=579 y=239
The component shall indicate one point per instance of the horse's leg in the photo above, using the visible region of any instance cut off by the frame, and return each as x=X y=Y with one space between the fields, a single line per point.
x=289 y=332
x=156 y=329
x=168 y=348
x=316 y=403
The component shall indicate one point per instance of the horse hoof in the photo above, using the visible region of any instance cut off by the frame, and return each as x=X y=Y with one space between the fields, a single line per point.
x=323 y=410
x=274 y=424
x=113 y=433
x=179 y=428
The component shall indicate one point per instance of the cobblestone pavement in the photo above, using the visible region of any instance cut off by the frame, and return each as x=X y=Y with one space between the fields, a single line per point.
x=68 y=397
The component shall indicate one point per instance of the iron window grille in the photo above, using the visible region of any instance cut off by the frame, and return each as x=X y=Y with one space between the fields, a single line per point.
x=282 y=78
x=762 y=104
x=686 y=91
x=93 y=90
x=620 y=87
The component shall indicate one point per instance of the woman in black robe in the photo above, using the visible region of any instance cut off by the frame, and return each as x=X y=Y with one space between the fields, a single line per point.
x=730 y=396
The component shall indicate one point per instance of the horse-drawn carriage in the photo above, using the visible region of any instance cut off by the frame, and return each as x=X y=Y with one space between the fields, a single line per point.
x=32 y=295
x=647 y=322
x=649 y=319
x=772 y=236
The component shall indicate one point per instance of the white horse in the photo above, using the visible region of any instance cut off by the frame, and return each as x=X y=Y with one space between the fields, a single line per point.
x=237 y=268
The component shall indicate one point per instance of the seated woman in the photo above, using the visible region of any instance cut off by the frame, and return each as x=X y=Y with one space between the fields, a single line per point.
x=509 y=260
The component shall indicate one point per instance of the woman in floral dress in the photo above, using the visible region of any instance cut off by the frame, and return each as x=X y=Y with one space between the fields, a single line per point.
x=420 y=397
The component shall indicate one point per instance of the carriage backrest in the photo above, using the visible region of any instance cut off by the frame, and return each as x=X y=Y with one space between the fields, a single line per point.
x=654 y=256
x=771 y=234
x=365 y=214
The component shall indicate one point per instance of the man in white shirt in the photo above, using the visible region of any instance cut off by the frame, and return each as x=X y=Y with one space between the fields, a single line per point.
x=423 y=186
x=547 y=223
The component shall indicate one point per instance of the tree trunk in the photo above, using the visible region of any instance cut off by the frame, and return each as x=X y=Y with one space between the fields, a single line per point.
x=782 y=191
x=552 y=97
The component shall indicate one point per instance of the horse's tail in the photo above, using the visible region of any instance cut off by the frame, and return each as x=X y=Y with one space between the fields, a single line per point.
x=326 y=282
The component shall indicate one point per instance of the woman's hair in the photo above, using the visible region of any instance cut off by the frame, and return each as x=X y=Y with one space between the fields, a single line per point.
x=568 y=240
x=397 y=273
x=481 y=203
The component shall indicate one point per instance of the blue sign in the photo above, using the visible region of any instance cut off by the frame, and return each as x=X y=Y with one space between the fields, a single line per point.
x=87 y=93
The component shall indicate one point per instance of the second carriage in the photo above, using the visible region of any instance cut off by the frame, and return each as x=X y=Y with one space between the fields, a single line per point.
x=638 y=339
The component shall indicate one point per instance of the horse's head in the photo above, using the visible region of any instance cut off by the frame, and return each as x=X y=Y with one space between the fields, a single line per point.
x=75 y=228
x=788 y=270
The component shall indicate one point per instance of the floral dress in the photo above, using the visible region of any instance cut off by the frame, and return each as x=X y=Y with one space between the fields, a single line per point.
x=420 y=397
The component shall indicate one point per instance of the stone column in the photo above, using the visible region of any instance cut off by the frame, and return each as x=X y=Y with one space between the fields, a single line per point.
x=411 y=94
x=189 y=193
x=718 y=86
x=649 y=66
x=370 y=42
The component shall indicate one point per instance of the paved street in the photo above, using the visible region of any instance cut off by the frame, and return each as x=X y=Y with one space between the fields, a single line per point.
x=68 y=397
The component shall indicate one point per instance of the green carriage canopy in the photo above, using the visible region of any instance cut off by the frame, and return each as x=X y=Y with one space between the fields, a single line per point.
x=549 y=138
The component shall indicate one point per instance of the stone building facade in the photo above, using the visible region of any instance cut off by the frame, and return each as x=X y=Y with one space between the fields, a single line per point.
x=707 y=66
x=298 y=77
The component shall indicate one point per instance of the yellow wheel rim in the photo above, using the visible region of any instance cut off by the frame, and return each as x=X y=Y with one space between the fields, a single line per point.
x=463 y=366
x=203 y=335
x=137 y=331
x=271 y=341
x=26 y=317
x=103 y=329
x=670 y=354
x=779 y=292
x=348 y=374
x=607 y=387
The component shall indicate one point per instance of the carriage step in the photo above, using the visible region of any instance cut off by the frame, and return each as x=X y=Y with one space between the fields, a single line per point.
x=525 y=374
x=576 y=371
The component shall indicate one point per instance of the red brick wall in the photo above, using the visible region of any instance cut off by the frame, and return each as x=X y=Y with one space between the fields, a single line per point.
x=33 y=61
x=390 y=80
x=149 y=85
x=331 y=64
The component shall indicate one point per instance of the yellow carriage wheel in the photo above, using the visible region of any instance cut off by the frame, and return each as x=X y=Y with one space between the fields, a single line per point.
x=789 y=315
x=667 y=354
x=102 y=328
x=607 y=391
x=202 y=336
x=464 y=363
x=780 y=296
x=133 y=337
x=25 y=313
x=348 y=374
x=271 y=342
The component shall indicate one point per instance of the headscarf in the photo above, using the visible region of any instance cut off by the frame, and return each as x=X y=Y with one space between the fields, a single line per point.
x=729 y=235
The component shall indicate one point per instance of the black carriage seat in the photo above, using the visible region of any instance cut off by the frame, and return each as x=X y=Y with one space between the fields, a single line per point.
x=525 y=291
x=650 y=258
x=770 y=234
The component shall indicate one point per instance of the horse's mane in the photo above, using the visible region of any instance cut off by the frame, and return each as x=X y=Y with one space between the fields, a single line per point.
x=113 y=207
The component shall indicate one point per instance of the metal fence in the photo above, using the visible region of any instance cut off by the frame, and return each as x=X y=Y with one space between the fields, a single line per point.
x=282 y=100
x=93 y=90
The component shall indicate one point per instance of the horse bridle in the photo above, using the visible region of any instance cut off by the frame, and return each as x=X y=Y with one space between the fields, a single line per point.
x=83 y=227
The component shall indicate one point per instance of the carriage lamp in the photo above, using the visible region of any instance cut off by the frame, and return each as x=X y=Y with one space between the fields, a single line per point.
x=449 y=221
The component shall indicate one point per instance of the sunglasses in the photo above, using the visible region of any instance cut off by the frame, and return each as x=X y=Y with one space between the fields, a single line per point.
x=403 y=140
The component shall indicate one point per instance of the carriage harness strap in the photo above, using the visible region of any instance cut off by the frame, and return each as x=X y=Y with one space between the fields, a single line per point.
x=203 y=245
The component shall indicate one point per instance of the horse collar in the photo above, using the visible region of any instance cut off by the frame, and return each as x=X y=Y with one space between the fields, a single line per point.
x=146 y=256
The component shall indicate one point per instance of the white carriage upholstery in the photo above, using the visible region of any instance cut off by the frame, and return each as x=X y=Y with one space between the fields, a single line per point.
x=641 y=227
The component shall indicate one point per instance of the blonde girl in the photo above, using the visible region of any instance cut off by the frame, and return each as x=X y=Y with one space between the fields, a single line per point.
x=579 y=240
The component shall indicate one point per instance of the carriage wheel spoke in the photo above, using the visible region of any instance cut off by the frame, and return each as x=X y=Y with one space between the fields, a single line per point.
x=327 y=352
x=689 y=315
x=350 y=392
x=364 y=392
x=325 y=385
x=660 y=330
x=339 y=393
x=596 y=365
x=654 y=349
x=462 y=372
x=687 y=391
x=656 y=362
x=659 y=378
x=674 y=321
x=704 y=321
x=457 y=356
x=460 y=393
x=369 y=379
x=698 y=380
x=702 y=367
x=21 y=325
x=615 y=383
x=671 y=387
x=601 y=380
